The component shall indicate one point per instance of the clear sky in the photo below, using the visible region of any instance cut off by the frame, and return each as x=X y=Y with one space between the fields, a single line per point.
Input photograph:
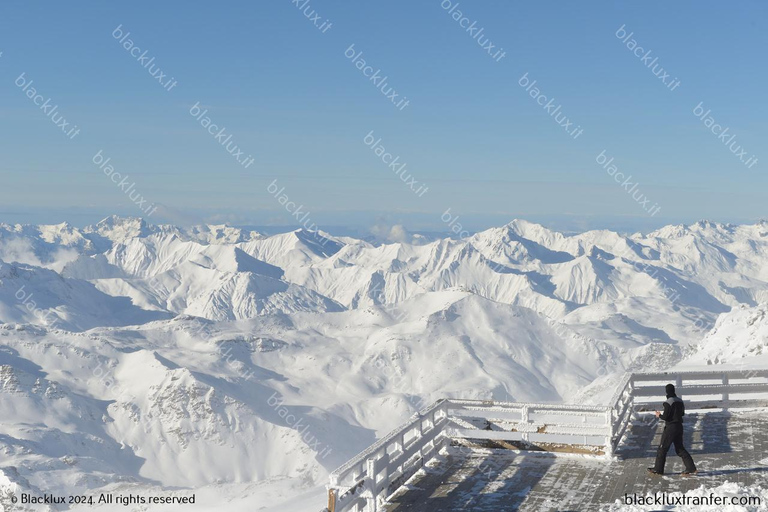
x=282 y=87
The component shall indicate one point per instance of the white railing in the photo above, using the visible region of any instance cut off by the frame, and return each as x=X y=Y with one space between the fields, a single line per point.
x=373 y=475
x=367 y=480
x=620 y=412
x=547 y=426
x=704 y=389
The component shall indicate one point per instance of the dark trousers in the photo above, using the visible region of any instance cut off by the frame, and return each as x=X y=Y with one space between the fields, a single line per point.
x=673 y=434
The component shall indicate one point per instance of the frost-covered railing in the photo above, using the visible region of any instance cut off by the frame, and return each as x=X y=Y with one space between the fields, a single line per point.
x=708 y=389
x=366 y=481
x=704 y=389
x=373 y=475
x=550 y=426
x=621 y=409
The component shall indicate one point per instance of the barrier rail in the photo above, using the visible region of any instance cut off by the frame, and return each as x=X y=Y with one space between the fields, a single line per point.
x=367 y=480
x=704 y=389
x=621 y=411
x=371 y=476
x=531 y=425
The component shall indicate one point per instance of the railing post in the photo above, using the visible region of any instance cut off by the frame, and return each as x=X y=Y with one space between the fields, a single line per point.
x=444 y=408
x=370 y=484
x=384 y=485
x=372 y=500
x=611 y=424
x=726 y=382
x=524 y=418
x=421 y=435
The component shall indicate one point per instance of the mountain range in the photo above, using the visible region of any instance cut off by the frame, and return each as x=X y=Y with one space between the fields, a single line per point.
x=140 y=356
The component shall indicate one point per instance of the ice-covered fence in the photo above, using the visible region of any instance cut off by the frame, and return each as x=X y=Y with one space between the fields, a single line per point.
x=728 y=389
x=533 y=425
x=723 y=389
x=374 y=474
x=368 y=479
x=621 y=409
x=363 y=483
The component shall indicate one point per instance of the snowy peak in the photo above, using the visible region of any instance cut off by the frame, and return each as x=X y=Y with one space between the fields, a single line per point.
x=225 y=273
x=739 y=337
x=535 y=233
x=508 y=245
x=233 y=259
x=320 y=243
x=40 y=296
x=119 y=229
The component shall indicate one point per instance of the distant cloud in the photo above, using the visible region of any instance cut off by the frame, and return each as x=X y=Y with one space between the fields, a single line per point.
x=168 y=215
x=20 y=250
x=396 y=233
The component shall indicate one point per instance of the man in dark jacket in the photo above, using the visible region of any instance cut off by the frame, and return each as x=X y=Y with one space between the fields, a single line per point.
x=674 y=409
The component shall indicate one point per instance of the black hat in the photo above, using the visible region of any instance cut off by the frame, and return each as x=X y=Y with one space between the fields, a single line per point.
x=670 y=389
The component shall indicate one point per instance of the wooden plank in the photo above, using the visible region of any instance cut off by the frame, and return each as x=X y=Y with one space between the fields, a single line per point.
x=544 y=437
x=576 y=439
x=495 y=435
x=548 y=417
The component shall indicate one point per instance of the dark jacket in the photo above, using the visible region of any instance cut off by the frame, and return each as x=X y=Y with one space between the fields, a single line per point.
x=674 y=409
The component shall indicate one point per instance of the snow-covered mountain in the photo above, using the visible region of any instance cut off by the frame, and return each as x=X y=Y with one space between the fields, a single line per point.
x=739 y=338
x=145 y=356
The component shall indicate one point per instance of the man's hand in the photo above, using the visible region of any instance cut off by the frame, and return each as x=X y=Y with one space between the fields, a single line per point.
x=658 y=413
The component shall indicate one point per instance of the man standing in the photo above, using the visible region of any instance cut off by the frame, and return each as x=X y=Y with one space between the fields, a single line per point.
x=674 y=409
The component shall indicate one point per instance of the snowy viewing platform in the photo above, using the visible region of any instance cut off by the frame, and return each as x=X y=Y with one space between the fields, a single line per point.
x=498 y=456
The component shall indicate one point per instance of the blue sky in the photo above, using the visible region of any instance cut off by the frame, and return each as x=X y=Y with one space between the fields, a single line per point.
x=288 y=95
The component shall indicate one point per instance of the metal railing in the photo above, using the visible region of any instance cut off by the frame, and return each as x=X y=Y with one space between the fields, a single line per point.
x=365 y=482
